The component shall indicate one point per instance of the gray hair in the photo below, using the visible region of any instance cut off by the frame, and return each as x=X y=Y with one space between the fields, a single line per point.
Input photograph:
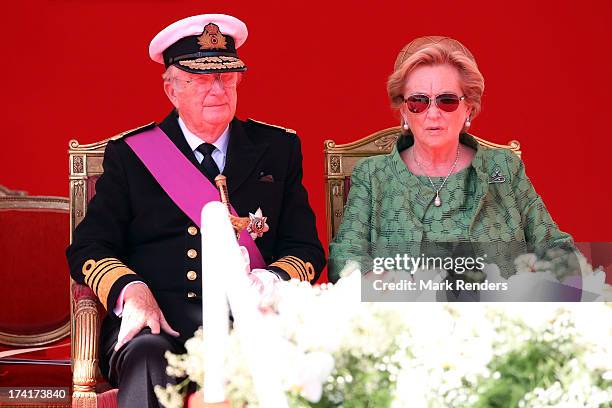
x=169 y=74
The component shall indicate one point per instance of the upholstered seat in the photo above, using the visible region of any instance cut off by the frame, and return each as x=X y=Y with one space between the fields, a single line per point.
x=35 y=312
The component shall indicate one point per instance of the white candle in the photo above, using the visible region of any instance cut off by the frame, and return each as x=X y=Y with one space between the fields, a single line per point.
x=215 y=311
x=226 y=267
x=258 y=340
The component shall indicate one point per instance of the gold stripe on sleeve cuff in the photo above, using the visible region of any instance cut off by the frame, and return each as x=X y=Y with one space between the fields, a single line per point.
x=296 y=268
x=101 y=275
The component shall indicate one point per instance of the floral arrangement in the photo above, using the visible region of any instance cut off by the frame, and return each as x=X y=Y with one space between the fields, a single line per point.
x=508 y=355
x=349 y=357
x=563 y=265
x=337 y=351
x=569 y=269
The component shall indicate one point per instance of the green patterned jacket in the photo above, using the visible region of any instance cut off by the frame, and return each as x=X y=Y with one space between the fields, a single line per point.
x=380 y=217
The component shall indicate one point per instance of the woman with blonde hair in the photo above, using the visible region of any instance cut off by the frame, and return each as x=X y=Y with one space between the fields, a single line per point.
x=438 y=184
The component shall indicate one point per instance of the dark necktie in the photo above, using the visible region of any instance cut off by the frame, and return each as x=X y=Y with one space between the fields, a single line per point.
x=208 y=164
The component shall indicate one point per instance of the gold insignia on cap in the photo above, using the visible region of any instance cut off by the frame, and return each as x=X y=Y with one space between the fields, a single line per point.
x=296 y=268
x=221 y=62
x=101 y=275
x=211 y=38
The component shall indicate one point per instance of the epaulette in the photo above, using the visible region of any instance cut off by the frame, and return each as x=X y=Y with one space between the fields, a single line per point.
x=274 y=126
x=133 y=131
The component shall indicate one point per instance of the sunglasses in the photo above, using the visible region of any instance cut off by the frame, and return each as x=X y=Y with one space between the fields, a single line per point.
x=419 y=103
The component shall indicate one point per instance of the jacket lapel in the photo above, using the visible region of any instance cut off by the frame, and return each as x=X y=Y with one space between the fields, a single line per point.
x=482 y=185
x=243 y=155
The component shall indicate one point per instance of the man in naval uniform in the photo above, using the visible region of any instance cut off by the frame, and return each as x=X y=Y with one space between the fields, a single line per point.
x=139 y=245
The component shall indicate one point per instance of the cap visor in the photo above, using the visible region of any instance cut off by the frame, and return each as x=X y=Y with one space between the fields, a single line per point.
x=210 y=65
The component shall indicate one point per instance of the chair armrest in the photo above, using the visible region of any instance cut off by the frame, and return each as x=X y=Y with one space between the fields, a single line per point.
x=85 y=339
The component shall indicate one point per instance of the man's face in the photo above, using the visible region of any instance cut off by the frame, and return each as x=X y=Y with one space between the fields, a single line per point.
x=203 y=100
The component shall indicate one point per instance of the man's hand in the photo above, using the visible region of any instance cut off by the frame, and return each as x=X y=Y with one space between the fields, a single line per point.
x=263 y=280
x=140 y=310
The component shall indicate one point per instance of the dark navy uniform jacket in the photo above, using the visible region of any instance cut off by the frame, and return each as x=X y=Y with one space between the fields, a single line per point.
x=134 y=231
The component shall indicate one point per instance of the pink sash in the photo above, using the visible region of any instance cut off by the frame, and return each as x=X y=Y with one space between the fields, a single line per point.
x=183 y=182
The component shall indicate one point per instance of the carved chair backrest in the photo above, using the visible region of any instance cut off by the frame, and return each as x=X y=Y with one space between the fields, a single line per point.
x=85 y=167
x=341 y=158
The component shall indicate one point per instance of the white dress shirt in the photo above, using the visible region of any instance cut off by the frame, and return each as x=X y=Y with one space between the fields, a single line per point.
x=218 y=155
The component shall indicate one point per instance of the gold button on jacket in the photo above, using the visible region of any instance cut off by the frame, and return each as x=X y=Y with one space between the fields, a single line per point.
x=192 y=275
x=192 y=253
x=192 y=230
x=191 y=295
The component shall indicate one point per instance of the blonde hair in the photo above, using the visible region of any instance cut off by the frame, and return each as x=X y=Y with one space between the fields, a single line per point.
x=435 y=50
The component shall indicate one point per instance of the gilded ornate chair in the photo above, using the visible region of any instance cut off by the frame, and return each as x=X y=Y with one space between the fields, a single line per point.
x=85 y=163
x=35 y=305
x=340 y=160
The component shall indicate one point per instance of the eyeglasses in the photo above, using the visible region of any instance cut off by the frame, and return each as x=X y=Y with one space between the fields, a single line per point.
x=419 y=103
x=206 y=81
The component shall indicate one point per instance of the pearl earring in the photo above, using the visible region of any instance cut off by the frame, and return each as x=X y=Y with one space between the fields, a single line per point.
x=405 y=124
x=468 y=123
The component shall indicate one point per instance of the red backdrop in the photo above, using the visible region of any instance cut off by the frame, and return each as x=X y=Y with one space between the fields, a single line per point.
x=81 y=70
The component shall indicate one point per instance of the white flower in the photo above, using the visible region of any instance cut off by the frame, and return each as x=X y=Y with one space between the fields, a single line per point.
x=311 y=374
x=531 y=263
x=593 y=284
x=168 y=396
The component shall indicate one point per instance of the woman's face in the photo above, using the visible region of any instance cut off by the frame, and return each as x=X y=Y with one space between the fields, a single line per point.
x=434 y=127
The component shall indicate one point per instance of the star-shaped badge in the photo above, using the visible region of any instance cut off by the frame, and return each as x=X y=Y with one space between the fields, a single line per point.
x=257 y=226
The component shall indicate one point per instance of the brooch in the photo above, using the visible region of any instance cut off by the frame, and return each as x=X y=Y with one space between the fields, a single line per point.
x=257 y=225
x=497 y=177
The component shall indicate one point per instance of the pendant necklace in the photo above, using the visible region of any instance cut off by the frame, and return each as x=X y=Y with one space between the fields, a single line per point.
x=437 y=201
